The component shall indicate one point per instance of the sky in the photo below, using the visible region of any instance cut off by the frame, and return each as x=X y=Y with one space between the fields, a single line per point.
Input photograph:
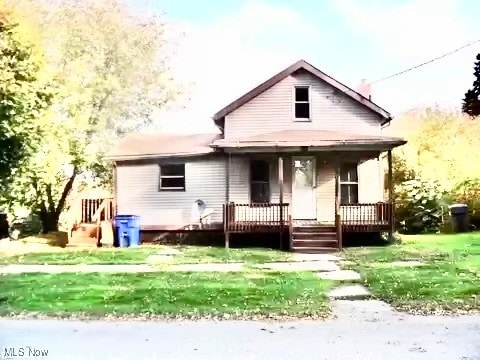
x=225 y=48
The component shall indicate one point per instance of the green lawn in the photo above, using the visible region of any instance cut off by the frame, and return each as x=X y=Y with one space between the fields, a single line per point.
x=188 y=255
x=450 y=280
x=92 y=256
x=166 y=294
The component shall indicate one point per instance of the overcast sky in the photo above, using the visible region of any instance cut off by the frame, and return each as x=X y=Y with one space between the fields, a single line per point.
x=230 y=46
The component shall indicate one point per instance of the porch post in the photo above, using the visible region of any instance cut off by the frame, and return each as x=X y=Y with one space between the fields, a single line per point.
x=338 y=219
x=280 y=196
x=391 y=228
x=226 y=215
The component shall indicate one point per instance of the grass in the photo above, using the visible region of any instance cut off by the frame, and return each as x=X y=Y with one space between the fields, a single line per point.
x=90 y=256
x=166 y=294
x=187 y=255
x=208 y=254
x=448 y=280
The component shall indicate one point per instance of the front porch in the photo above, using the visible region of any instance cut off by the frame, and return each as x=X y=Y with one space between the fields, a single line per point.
x=315 y=196
x=367 y=217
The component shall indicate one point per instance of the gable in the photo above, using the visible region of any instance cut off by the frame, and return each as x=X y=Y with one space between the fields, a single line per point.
x=219 y=117
x=273 y=110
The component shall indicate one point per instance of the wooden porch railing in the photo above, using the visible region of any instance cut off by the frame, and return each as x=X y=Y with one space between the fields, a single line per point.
x=255 y=217
x=374 y=216
x=96 y=209
x=90 y=211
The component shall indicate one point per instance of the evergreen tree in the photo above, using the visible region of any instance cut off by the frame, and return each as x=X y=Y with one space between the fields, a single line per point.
x=471 y=102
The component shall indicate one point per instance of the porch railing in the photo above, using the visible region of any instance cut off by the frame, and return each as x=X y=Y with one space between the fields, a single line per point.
x=255 y=217
x=94 y=210
x=367 y=215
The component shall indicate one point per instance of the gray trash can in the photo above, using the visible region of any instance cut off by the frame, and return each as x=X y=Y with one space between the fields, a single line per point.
x=459 y=217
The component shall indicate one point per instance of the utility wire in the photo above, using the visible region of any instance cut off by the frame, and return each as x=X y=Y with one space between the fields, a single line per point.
x=426 y=62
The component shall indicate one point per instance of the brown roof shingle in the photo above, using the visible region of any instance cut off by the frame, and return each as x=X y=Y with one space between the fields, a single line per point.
x=142 y=146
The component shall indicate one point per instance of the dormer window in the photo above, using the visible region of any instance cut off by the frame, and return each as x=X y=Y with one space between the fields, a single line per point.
x=302 y=103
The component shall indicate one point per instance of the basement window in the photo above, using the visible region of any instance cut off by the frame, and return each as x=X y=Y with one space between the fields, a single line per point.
x=172 y=177
x=348 y=184
x=302 y=103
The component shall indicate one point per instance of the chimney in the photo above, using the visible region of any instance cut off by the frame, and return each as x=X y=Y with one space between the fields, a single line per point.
x=365 y=89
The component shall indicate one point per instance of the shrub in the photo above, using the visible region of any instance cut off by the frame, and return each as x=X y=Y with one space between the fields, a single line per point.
x=418 y=206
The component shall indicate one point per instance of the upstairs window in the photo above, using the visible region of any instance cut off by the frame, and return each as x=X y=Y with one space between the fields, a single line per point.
x=259 y=181
x=172 y=177
x=348 y=184
x=302 y=103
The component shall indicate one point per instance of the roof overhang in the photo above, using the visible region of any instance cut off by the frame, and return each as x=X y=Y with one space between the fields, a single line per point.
x=271 y=148
x=308 y=140
x=157 y=156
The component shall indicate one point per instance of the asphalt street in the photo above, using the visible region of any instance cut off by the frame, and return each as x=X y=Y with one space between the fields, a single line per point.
x=367 y=331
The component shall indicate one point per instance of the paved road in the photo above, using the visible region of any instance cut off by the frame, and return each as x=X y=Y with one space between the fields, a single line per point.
x=363 y=331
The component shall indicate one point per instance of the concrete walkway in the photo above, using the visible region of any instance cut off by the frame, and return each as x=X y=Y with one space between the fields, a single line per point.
x=326 y=265
x=300 y=266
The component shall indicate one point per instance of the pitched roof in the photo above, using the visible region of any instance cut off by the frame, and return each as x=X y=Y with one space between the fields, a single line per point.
x=144 y=146
x=314 y=138
x=301 y=64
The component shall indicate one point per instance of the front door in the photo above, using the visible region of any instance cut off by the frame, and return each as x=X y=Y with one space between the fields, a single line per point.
x=304 y=199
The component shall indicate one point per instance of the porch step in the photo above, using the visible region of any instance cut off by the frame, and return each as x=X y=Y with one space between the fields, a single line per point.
x=314 y=239
x=314 y=229
x=314 y=235
x=332 y=242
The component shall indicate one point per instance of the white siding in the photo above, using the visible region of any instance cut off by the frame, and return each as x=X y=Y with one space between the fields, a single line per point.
x=138 y=194
x=205 y=179
x=369 y=184
x=325 y=192
x=239 y=180
x=273 y=111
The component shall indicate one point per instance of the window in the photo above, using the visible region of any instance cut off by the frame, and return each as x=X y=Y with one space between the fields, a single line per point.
x=259 y=181
x=348 y=184
x=302 y=103
x=172 y=177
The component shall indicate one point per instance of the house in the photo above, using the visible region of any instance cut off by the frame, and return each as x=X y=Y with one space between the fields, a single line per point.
x=301 y=154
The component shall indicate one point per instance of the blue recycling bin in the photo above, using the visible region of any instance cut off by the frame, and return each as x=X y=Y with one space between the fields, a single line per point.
x=127 y=230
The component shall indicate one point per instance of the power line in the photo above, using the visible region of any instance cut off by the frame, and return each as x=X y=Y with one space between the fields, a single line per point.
x=426 y=62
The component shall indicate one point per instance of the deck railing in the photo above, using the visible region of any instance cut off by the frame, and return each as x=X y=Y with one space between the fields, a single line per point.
x=94 y=210
x=255 y=217
x=366 y=216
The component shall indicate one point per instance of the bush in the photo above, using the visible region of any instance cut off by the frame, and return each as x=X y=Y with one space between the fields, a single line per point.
x=418 y=206
x=468 y=192
x=25 y=226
